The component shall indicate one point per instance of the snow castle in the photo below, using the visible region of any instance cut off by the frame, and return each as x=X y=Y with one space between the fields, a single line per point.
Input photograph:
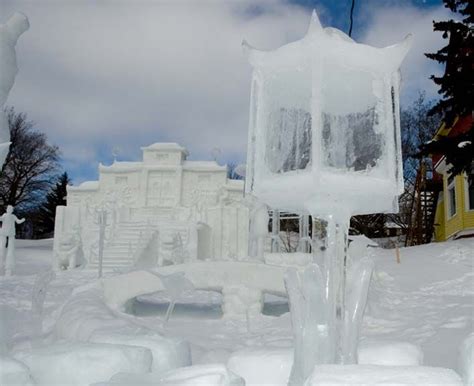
x=162 y=210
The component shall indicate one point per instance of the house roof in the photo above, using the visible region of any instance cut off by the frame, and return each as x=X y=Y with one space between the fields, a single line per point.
x=459 y=126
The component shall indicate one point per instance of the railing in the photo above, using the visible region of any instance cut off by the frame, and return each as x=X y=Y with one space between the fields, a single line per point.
x=142 y=244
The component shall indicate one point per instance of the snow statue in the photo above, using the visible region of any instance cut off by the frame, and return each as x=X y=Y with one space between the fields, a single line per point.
x=7 y=237
x=324 y=140
x=69 y=253
x=9 y=34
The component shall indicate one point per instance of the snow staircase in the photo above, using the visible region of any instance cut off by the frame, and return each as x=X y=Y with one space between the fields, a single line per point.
x=120 y=252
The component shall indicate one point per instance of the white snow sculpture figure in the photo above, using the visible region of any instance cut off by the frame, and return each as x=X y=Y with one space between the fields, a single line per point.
x=259 y=219
x=9 y=34
x=74 y=254
x=324 y=140
x=7 y=235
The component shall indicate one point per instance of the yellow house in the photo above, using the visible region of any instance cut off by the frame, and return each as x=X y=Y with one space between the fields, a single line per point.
x=454 y=216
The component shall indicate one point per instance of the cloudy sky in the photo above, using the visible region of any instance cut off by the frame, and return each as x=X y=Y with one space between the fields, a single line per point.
x=105 y=74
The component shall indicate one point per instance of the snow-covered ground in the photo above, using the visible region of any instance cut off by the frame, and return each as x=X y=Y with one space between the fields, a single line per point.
x=427 y=300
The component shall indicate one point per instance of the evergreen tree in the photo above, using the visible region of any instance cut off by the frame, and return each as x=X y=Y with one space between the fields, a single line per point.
x=47 y=211
x=456 y=84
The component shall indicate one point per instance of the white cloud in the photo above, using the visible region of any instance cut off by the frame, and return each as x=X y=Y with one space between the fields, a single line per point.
x=390 y=25
x=132 y=73
x=94 y=75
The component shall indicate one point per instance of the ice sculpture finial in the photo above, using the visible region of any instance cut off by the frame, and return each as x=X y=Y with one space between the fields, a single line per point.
x=314 y=24
x=399 y=51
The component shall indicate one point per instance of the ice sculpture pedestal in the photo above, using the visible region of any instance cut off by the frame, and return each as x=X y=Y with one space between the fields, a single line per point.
x=327 y=302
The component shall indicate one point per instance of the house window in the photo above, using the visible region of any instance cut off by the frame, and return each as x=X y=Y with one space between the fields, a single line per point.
x=121 y=180
x=451 y=196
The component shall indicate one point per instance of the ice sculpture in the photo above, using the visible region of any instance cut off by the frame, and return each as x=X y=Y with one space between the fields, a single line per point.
x=324 y=140
x=324 y=129
x=176 y=284
x=258 y=228
x=7 y=236
x=9 y=34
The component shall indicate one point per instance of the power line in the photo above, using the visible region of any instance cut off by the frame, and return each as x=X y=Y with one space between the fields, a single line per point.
x=351 y=17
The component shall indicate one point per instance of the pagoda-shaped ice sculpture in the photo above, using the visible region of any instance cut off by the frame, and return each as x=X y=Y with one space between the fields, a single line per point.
x=324 y=124
x=324 y=140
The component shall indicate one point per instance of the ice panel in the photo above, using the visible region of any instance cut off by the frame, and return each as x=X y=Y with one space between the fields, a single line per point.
x=287 y=121
x=351 y=137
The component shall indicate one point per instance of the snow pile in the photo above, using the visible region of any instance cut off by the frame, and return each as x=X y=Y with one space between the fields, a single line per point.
x=260 y=367
x=368 y=375
x=467 y=360
x=167 y=353
x=9 y=316
x=295 y=259
x=15 y=373
x=240 y=300
x=273 y=366
x=205 y=375
x=86 y=317
x=80 y=363
x=388 y=353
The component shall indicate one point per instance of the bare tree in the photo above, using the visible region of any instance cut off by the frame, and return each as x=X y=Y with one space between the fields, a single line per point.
x=30 y=167
x=417 y=127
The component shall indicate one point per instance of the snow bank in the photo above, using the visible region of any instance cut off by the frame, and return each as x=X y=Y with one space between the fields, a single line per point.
x=13 y=372
x=273 y=366
x=295 y=259
x=467 y=360
x=262 y=367
x=368 y=375
x=168 y=353
x=205 y=375
x=86 y=317
x=116 y=294
x=387 y=353
x=79 y=363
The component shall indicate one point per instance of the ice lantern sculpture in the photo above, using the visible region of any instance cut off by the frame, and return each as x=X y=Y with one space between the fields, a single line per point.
x=324 y=129
x=324 y=140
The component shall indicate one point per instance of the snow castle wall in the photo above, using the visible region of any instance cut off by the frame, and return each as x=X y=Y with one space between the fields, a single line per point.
x=196 y=212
